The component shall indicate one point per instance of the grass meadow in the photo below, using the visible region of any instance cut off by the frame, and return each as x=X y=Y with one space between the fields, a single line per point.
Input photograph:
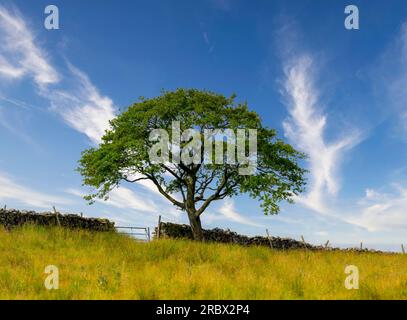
x=113 y=266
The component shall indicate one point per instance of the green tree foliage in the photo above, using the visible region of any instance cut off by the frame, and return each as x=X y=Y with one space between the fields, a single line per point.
x=123 y=155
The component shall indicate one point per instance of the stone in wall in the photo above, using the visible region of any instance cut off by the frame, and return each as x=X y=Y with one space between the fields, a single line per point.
x=183 y=231
x=10 y=218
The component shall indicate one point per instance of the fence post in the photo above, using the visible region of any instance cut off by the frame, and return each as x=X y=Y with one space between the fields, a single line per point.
x=268 y=236
x=56 y=215
x=402 y=249
x=361 y=246
x=159 y=227
x=303 y=241
x=326 y=244
x=148 y=234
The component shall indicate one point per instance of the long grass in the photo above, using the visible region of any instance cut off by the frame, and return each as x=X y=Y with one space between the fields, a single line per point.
x=112 y=266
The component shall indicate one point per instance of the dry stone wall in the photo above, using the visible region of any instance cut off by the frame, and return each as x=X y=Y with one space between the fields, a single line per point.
x=10 y=218
x=172 y=230
x=182 y=231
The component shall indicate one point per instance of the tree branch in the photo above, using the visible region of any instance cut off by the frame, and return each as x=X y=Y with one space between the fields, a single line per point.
x=203 y=185
x=165 y=194
x=135 y=180
x=214 y=196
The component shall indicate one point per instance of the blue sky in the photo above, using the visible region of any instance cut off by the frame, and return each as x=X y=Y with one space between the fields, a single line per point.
x=336 y=94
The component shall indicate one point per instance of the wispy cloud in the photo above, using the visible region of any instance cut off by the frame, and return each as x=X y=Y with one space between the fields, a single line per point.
x=224 y=5
x=382 y=211
x=123 y=198
x=11 y=190
x=83 y=107
x=75 y=98
x=305 y=127
x=393 y=75
x=228 y=212
x=15 y=125
x=9 y=71
x=17 y=103
x=79 y=102
x=146 y=184
x=19 y=54
x=207 y=41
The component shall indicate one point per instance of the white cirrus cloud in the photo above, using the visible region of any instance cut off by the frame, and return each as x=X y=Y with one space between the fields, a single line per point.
x=128 y=199
x=305 y=128
x=393 y=75
x=82 y=106
x=123 y=198
x=19 y=55
x=9 y=71
x=76 y=99
x=11 y=190
x=228 y=212
x=382 y=211
x=79 y=102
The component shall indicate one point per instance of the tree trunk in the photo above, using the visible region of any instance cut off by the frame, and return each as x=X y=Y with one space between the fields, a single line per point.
x=194 y=219
x=196 y=226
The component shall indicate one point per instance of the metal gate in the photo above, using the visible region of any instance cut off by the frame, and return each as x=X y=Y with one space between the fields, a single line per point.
x=141 y=233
